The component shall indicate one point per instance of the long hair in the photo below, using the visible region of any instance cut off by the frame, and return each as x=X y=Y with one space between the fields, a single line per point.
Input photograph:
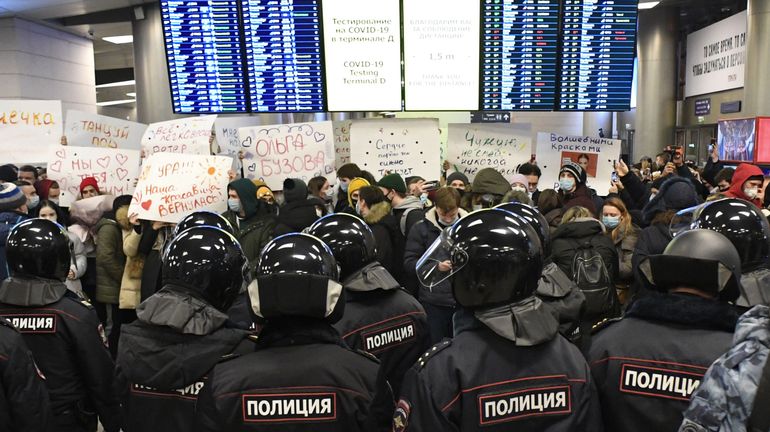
x=626 y=224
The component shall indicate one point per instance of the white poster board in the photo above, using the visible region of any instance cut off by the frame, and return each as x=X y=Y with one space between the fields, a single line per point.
x=171 y=186
x=29 y=129
x=716 y=56
x=115 y=170
x=190 y=135
x=94 y=130
x=474 y=146
x=341 y=142
x=410 y=147
x=554 y=149
x=274 y=153
x=226 y=129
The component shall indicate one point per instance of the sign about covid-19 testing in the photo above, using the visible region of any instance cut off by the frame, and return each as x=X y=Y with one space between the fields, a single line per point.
x=595 y=155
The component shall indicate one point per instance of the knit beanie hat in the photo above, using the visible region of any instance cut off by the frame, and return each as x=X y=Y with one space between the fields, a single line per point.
x=11 y=197
x=520 y=178
x=9 y=173
x=89 y=181
x=457 y=175
x=355 y=184
x=576 y=170
x=393 y=181
x=294 y=190
x=490 y=181
x=349 y=170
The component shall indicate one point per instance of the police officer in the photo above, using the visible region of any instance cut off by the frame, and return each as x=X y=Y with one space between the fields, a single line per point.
x=181 y=331
x=747 y=228
x=507 y=368
x=647 y=364
x=380 y=317
x=302 y=377
x=63 y=332
x=24 y=403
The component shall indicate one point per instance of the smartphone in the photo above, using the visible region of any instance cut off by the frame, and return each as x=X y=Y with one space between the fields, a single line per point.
x=711 y=148
x=431 y=185
x=615 y=177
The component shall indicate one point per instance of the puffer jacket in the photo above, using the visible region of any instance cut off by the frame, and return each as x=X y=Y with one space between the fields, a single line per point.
x=580 y=197
x=384 y=226
x=8 y=220
x=78 y=265
x=110 y=261
x=625 y=245
x=131 y=284
x=570 y=236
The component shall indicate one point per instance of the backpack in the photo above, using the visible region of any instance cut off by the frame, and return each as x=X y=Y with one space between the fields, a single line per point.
x=402 y=222
x=590 y=274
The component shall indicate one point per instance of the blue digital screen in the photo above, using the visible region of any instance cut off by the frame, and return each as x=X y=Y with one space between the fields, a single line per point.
x=204 y=56
x=283 y=55
x=598 y=48
x=519 y=58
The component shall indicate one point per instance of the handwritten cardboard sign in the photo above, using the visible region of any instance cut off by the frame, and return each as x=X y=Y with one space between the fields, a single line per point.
x=298 y=150
x=597 y=155
x=409 y=147
x=116 y=170
x=226 y=128
x=86 y=129
x=190 y=135
x=171 y=186
x=472 y=147
x=341 y=142
x=29 y=129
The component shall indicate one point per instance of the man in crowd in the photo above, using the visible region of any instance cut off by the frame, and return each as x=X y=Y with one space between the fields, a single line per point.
x=13 y=209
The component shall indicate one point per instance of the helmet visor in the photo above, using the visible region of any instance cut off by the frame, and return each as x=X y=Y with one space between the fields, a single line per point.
x=684 y=220
x=440 y=261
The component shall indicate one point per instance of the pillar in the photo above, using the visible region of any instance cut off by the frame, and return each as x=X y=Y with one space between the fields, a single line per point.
x=757 y=85
x=592 y=121
x=656 y=108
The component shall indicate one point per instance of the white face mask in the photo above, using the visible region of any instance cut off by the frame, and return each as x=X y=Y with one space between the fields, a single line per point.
x=519 y=189
x=751 y=192
x=477 y=207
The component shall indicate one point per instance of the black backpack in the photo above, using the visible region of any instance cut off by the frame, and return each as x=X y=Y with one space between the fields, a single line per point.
x=592 y=277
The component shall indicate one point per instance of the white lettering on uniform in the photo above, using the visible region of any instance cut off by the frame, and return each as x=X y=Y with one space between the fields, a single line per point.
x=308 y=407
x=383 y=339
x=524 y=403
x=660 y=382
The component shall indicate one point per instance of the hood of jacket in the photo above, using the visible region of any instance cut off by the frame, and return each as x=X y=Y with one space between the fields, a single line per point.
x=579 y=228
x=410 y=201
x=9 y=219
x=34 y=292
x=247 y=193
x=299 y=215
x=432 y=217
x=173 y=308
x=490 y=181
x=687 y=310
x=105 y=221
x=742 y=174
x=754 y=325
x=528 y=322
x=676 y=193
x=377 y=213
x=372 y=277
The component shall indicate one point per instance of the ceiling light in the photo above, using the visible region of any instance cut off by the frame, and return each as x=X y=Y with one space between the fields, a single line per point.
x=648 y=5
x=115 y=102
x=117 y=84
x=132 y=94
x=125 y=39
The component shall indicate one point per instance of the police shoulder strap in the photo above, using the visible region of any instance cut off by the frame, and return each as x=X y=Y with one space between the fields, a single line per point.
x=759 y=421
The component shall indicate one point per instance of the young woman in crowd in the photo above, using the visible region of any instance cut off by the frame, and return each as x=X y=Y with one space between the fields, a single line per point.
x=51 y=211
x=624 y=234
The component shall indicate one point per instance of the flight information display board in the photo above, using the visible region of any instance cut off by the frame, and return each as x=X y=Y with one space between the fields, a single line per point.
x=283 y=55
x=519 y=58
x=599 y=39
x=204 y=55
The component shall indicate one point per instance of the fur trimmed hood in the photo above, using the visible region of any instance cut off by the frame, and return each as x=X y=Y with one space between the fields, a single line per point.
x=377 y=212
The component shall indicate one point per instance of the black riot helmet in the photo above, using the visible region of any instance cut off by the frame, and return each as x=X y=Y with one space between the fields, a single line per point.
x=743 y=224
x=700 y=259
x=350 y=239
x=297 y=276
x=495 y=256
x=208 y=262
x=38 y=248
x=535 y=219
x=203 y=217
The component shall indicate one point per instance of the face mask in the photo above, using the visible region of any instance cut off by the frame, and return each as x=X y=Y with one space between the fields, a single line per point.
x=33 y=202
x=477 y=207
x=751 y=192
x=344 y=186
x=424 y=199
x=519 y=189
x=234 y=205
x=54 y=200
x=444 y=224
x=611 y=221
x=358 y=209
x=566 y=184
x=331 y=193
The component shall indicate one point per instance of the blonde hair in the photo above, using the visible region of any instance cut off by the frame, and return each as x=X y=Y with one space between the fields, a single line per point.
x=576 y=212
x=625 y=224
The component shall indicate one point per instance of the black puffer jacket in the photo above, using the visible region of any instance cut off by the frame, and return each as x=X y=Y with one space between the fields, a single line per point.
x=387 y=235
x=570 y=236
x=298 y=215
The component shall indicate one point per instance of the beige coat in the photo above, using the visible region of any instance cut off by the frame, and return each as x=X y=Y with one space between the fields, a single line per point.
x=131 y=285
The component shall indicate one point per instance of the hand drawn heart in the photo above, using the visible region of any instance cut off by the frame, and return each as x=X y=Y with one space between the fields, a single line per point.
x=122 y=173
x=252 y=167
x=121 y=158
x=246 y=142
x=318 y=136
x=61 y=154
x=146 y=204
x=103 y=162
x=56 y=166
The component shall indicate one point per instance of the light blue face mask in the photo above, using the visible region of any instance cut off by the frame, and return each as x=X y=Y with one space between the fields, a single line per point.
x=358 y=209
x=234 y=205
x=611 y=221
x=566 y=184
x=343 y=186
x=33 y=202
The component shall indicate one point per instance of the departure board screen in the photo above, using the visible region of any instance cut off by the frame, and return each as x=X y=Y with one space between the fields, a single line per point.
x=519 y=57
x=283 y=55
x=599 y=37
x=204 y=56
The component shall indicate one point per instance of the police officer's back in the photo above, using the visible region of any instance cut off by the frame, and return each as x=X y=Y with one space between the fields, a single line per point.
x=23 y=398
x=63 y=332
x=181 y=331
x=302 y=377
x=647 y=364
x=380 y=317
x=507 y=367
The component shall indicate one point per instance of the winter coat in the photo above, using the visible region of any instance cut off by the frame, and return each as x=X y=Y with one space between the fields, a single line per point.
x=150 y=246
x=652 y=241
x=625 y=245
x=252 y=233
x=413 y=209
x=554 y=219
x=387 y=236
x=298 y=215
x=110 y=261
x=580 y=197
x=131 y=284
x=8 y=220
x=79 y=264
x=570 y=236
x=725 y=399
x=741 y=175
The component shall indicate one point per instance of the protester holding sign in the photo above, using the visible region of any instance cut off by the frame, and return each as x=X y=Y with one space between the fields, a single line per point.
x=572 y=186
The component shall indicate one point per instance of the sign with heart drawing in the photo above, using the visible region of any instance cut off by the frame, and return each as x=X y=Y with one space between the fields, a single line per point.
x=171 y=186
x=116 y=171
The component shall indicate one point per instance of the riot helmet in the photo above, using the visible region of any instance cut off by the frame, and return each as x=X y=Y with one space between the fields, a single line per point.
x=495 y=257
x=535 y=219
x=39 y=248
x=297 y=276
x=350 y=239
x=203 y=217
x=208 y=262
